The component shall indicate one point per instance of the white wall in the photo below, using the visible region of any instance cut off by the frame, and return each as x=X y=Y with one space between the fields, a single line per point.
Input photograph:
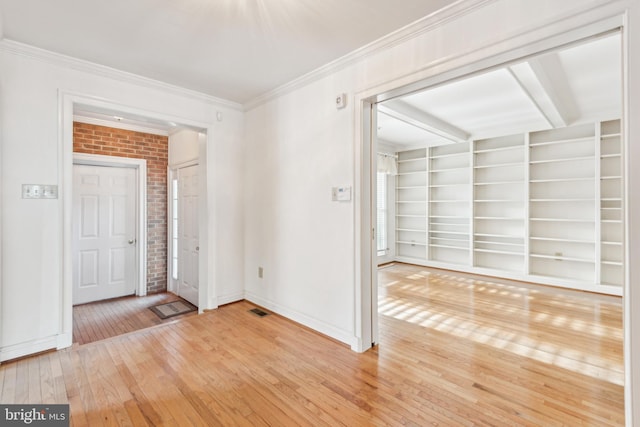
x=183 y=147
x=299 y=146
x=32 y=237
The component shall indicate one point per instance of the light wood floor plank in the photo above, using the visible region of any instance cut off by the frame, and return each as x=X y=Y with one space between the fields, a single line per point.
x=455 y=350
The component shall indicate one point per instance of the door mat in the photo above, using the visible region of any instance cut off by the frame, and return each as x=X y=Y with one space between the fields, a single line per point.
x=170 y=309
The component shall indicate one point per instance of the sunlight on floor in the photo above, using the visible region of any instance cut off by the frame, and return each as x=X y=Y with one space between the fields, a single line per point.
x=533 y=336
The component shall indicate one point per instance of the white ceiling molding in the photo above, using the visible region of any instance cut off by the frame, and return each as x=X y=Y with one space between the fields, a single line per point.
x=407 y=113
x=425 y=24
x=65 y=61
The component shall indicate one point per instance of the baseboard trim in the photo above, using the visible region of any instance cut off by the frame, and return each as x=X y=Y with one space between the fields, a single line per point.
x=315 y=324
x=28 y=348
x=228 y=299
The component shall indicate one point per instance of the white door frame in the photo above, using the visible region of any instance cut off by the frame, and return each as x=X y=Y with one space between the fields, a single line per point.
x=172 y=170
x=140 y=166
x=557 y=33
x=207 y=203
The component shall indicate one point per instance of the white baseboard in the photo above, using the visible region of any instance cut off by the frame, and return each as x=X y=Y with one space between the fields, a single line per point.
x=315 y=324
x=228 y=299
x=30 y=347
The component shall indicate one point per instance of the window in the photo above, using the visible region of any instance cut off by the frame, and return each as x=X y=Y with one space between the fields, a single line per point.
x=174 y=229
x=381 y=235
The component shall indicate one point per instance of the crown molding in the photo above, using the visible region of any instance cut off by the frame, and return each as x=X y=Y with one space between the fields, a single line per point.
x=422 y=25
x=65 y=61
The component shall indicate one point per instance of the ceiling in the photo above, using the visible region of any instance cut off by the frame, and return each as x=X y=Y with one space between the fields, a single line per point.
x=578 y=84
x=231 y=49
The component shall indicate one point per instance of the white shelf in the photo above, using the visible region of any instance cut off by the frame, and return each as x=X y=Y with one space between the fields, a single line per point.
x=562 y=200
x=563 y=220
x=411 y=230
x=412 y=173
x=556 y=239
x=499 y=183
x=462 y=233
x=610 y=135
x=455 y=184
x=462 y=168
x=561 y=141
x=498 y=165
x=401 y=242
x=559 y=160
x=562 y=258
x=587 y=178
x=501 y=218
x=493 y=150
x=492 y=251
x=412 y=187
x=449 y=247
x=410 y=216
x=416 y=159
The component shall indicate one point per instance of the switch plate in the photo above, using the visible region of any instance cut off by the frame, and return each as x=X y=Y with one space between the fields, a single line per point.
x=39 y=191
x=341 y=101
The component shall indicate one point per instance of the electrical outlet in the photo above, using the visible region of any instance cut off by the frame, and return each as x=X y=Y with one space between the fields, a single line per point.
x=260 y=272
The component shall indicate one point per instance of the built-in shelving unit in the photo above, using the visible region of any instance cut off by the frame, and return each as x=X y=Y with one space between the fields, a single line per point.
x=544 y=206
x=449 y=203
x=611 y=204
x=499 y=203
x=411 y=205
x=562 y=212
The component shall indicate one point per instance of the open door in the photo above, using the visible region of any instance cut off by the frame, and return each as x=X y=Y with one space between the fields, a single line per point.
x=188 y=235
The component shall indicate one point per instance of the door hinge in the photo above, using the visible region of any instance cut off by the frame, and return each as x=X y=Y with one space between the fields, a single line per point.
x=373 y=234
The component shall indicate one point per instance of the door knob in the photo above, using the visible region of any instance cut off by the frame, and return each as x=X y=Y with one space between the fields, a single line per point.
x=132 y=241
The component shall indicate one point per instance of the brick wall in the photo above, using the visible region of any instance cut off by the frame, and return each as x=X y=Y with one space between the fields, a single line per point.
x=102 y=140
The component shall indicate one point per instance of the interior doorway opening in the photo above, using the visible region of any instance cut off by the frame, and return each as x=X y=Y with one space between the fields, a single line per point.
x=532 y=202
x=144 y=127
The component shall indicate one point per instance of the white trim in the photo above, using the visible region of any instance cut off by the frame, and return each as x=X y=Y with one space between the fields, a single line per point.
x=409 y=31
x=303 y=319
x=228 y=299
x=118 y=125
x=30 y=347
x=207 y=278
x=140 y=165
x=60 y=60
x=600 y=17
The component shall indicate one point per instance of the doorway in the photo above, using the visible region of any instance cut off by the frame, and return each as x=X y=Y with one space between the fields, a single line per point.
x=430 y=199
x=185 y=238
x=99 y=113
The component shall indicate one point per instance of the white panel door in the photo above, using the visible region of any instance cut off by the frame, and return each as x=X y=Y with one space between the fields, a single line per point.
x=188 y=241
x=104 y=232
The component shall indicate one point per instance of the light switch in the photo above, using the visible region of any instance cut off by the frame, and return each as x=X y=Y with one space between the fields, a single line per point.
x=39 y=191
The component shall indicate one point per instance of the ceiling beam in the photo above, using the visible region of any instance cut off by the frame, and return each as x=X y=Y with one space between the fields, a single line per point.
x=544 y=81
x=411 y=115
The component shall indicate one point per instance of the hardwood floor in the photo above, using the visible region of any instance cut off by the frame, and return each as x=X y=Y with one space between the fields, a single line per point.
x=104 y=319
x=453 y=351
